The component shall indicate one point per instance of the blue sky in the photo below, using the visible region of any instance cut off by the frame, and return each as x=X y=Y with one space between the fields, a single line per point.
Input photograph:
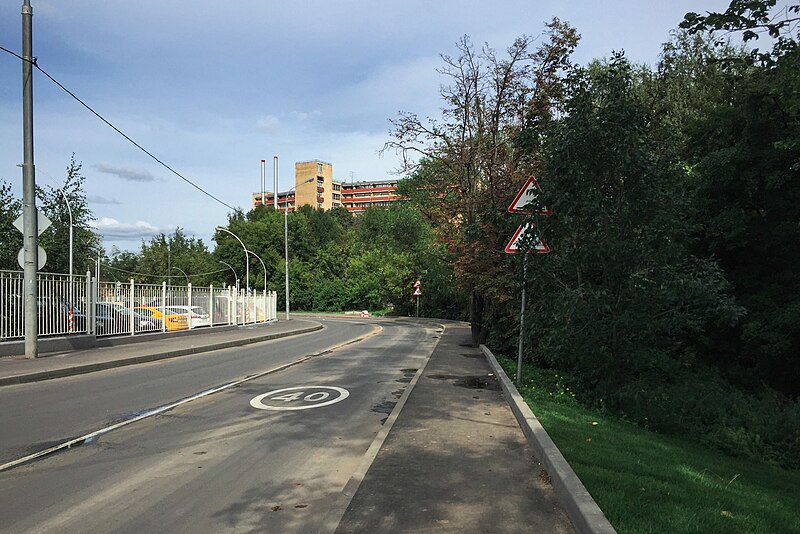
x=212 y=88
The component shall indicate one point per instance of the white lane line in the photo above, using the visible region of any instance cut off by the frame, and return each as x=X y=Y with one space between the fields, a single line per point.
x=167 y=407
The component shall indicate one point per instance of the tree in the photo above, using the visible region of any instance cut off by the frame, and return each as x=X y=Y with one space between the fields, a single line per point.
x=167 y=258
x=122 y=265
x=620 y=303
x=743 y=150
x=10 y=237
x=751 y=18
x=482 y=149
x=56 y=206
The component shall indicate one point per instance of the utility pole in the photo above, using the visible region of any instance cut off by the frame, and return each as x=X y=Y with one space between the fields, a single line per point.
x=30 y=235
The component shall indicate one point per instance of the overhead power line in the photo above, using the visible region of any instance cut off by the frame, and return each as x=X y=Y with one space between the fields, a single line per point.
x=120 y=132
x=107 y=266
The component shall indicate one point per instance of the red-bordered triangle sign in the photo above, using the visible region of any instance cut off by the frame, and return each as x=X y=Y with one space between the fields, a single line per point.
x=516 y=245
x=525 y=201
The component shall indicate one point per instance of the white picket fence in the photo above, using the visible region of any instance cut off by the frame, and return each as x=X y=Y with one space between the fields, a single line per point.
x=82 y=305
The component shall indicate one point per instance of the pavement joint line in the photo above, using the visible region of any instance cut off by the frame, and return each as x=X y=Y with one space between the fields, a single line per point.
x=112 y=364
x=166 y=407
x=583 y=511
x=334 y=516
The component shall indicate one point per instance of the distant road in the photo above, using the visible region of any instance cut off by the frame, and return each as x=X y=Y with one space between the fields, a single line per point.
x=217 y=463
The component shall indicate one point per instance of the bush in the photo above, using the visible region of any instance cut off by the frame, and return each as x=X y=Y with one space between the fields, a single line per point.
x=762 y=426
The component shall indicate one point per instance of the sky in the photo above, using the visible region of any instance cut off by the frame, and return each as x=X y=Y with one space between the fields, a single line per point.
x=211 y=88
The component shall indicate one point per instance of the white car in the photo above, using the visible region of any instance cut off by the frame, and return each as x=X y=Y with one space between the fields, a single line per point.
x=196 y=315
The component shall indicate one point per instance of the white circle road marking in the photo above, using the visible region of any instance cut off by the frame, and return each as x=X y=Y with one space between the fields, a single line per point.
x=310 y=400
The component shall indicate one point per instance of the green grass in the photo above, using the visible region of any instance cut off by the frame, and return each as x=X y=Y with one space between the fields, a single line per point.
x=647 y=482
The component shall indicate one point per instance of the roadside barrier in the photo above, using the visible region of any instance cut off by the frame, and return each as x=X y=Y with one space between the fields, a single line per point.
x=82 y=305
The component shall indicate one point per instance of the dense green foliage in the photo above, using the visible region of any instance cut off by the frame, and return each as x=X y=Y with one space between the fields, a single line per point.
x=340 y=262
x=670 y=296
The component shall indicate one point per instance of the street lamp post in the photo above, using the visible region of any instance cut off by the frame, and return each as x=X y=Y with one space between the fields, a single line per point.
x=69 y=211
x=183 y=273
x=246 y=257
x=262 y=265
x=286 y=241
x=71 y=225
x=235 y=276
x=265 y=285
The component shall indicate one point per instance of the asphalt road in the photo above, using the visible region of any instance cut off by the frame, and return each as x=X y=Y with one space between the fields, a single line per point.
x=217 y=463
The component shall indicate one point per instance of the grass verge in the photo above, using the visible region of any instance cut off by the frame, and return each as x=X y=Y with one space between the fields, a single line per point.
x=650 y=483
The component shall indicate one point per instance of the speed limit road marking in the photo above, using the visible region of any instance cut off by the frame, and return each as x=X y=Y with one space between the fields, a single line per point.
x=299 y=398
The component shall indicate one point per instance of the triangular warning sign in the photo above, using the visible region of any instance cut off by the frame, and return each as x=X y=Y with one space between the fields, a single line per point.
x=515 y=244
x=525 y=201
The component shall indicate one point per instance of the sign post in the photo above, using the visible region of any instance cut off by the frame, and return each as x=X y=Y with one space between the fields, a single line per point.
x=525 y=202
x=522 y=319
x=417 y=293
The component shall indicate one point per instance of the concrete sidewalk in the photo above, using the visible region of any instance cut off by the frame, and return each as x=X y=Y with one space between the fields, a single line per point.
x=455 y=459
x=122 y=351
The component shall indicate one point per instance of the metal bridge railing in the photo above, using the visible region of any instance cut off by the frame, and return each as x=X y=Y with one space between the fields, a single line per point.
x=82 y=305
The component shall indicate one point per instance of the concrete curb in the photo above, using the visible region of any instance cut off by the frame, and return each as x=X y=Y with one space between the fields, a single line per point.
x=100 y=366
x=586 y=516
x=49 y=346
x=334 y=516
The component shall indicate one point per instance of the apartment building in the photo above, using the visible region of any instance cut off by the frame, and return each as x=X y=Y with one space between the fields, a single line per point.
x=315 y=186
x=358 y=196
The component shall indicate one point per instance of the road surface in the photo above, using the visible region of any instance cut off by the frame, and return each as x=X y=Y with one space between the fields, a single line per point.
x=229 y=461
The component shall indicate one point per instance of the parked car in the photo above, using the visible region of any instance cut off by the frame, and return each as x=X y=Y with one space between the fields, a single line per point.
x=56 y=317
x=196 y=314
x=114 y=318
x=173 y=321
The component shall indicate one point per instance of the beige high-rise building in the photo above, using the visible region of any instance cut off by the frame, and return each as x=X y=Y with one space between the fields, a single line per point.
x=313 y=185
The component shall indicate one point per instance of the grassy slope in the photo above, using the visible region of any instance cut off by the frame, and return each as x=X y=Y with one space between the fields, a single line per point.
x=647 y=482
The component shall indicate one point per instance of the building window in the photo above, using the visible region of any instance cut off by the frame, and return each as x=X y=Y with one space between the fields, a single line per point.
x=319 y=169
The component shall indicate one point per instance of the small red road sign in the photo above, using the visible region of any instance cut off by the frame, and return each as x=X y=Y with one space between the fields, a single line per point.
x=525 y=201
x=515 y=244
x=417 y=292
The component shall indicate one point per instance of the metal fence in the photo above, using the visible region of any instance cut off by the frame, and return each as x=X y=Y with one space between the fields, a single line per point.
x=82 y=305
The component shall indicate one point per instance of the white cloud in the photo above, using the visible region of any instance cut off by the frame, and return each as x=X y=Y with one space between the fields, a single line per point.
x=118 y=231
x=303 y=115
x=132 y=174
x=269 y=124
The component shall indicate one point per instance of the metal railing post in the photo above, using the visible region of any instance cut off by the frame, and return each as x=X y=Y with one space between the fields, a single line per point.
x=130 y=307
x=163 y=306
x=211 y=305
x=91 y=312
x=189 y=301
